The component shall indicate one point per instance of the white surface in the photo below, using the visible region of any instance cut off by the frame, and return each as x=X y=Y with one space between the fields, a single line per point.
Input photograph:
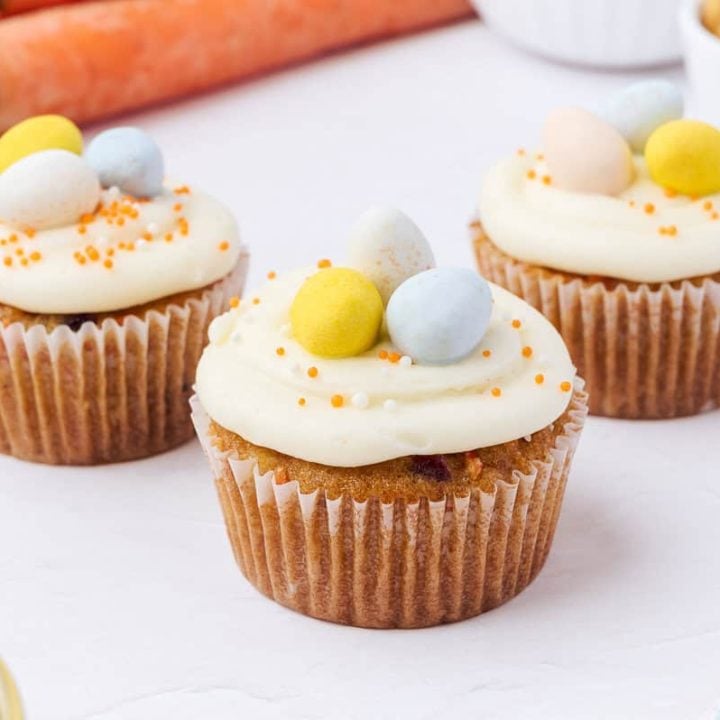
x=599 y=33
x=119 y=598
x=702 y=53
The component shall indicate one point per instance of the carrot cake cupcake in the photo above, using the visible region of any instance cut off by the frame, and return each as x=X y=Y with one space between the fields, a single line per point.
x=390 y=440
x=108 y=282
x=612 y=231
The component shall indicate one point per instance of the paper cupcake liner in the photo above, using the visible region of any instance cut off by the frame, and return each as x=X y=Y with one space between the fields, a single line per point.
x=400 y=564
x=107 y=392
x=645 y=352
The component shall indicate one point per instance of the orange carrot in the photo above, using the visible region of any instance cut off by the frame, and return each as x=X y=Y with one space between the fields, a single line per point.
x=93 y=59
x=10 y=7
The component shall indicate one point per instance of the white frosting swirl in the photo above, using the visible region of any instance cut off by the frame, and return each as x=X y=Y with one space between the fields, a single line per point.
x=128 y=254
x=390 y=410
x=642 y=235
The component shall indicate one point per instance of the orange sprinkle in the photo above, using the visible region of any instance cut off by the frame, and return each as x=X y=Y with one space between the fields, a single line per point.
x=487 y=353
x=35 y=256
x=81 y=230
x=271 y=275
x=3 y=241
x=670 y=193
x=516 y=324
x=693 y=198
x=539 y=378
x=547 y=180
x=168 y=237
x=8 y=261
x=301 y=401
x=130 y=247
x=383 y=354
x=566 y=386
x=280 y=351
x=337 y=401
x=531 y=174
x=223 y=246
x=671 y=230
x=540 y=156
x=324 y=263
x=182 y=190
x=649 y=208
x=20 y=252
x=312 y=372
x=121 y=221
x=92 y=253
x=177 y=207
x=86 y=218
x=707 y=205
x=714 y=216
x=234 y=301
x=122 y=245
x=394 y=357
x=24 y=261
x=110 y=252
x=13 y=238
x=527 y=351
x=521 y=152
x=256 y=301
x=147 y=236
x=496 y=392
x=108 y=263
x=80 y=258
x=30 y=232
x=631 y=203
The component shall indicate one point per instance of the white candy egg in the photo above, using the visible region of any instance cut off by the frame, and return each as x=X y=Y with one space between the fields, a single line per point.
x=637 y=110
x=439 y=316
x=586 y=154
x=48 y=189
x=128 y=158
x=388 y=247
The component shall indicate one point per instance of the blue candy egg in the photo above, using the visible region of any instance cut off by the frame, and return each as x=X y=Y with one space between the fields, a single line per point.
x=639 y=109
x=128 y=158
x=439 y=316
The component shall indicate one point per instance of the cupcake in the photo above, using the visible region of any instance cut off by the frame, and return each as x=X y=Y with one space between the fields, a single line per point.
x=390 y=440
x=108 y=282
x=612 y=231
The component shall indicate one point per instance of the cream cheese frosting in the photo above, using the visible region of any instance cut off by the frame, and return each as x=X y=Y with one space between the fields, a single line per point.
x=129 y=252
x=256 y=381
x=643 y=235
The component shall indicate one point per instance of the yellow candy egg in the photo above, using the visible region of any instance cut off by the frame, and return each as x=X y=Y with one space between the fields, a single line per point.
x=684 y=155
x=42 y=132
x=336 y=313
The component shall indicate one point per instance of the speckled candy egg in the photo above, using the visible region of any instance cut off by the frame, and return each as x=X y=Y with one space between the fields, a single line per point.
x=42 y=132
x=336 y=313
x=684 y=155
x=637 y=110
x=128 y=158
x=585 y=154
x=439 y=316
x=388 y=247
x=48 y=189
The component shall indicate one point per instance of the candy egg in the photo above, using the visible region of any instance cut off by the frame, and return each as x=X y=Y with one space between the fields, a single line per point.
x=388 y=247
x=336 y=313
x=585 y=154
x=439 y=316
x=48 y=189
x=684 y=155
x=128 y=158
x=43 y=132
x=640 y=108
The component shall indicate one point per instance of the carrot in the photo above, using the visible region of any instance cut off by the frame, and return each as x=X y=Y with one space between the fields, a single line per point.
x=10 y=7
x=94 y=59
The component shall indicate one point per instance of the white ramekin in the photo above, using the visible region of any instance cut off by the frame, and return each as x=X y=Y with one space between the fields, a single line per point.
x=601 y=33
x=702 y=63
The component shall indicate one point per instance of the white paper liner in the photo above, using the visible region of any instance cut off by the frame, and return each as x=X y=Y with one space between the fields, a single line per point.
x=644 y=352
x=401 y=564
x=108 y=392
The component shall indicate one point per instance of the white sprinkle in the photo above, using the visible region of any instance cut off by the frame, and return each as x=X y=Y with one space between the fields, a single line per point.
x=141 y=243
x=405 y=361
x=285 y=330
x=527 y=438
x=360 y=400
x=236 y=337
x=152 y=228
x=390 y=405
x=113 y=192
x=102 y=241
x=296 y=369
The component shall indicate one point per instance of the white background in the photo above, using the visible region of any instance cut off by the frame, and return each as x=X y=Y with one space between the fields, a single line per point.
x=119 y=598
